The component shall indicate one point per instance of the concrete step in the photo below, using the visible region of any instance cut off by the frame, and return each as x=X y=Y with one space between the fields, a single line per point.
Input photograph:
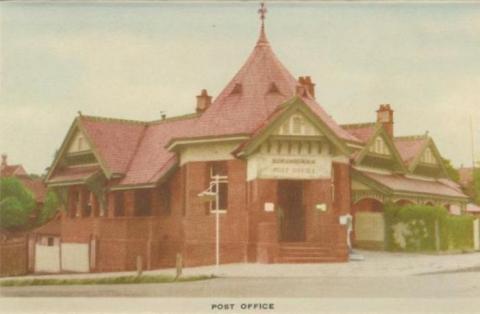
x=301 y=253
x=300 y=244
x=305 y=260
x=303 y=247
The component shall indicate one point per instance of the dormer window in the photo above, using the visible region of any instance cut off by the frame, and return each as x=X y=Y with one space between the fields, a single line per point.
x=237 y=89
x=379 y=147
x=273 y=88
x=428 y=157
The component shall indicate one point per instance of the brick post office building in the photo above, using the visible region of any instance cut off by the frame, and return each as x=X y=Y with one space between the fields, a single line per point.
x=287 y=172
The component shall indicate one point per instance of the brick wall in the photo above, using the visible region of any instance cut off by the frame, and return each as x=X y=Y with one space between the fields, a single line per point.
x=318 y=192
x=343 y=200
x=248 y=233
x=262 y=227
x=199 y=222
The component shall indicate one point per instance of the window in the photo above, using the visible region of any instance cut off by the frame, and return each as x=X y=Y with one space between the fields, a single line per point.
x=219 y=169
x=143 y=203
x=428 y=157
x=164 y=200
x=379 y=147
x=50 y=241
x=119 y=203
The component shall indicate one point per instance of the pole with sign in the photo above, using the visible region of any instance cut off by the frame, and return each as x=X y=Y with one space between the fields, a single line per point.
x=207 y=196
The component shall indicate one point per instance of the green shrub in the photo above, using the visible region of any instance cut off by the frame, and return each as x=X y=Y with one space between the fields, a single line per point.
x=418 y=222
x=12 y=214
x=413 y=228
x=458 y=233
x=16 y=204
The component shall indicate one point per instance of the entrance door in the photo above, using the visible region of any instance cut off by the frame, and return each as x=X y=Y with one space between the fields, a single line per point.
x=292 y=214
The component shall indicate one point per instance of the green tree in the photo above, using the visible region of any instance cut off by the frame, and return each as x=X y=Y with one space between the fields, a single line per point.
x=16 y=204
x=49 y=209
x=451 y=171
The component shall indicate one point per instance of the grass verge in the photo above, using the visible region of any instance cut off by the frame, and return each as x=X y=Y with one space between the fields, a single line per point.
x=101 y=281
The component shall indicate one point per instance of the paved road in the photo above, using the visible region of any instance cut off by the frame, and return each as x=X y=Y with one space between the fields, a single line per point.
x=443 y=285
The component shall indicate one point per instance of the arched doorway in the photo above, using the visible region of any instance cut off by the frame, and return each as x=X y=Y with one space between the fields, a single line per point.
x=366 y=213
x=367 y=205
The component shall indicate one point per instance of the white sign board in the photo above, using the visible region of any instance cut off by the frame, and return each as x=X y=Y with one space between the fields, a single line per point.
x=269 y=207
x=289 y=167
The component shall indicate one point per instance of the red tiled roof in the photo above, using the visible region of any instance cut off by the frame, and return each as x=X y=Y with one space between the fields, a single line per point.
x=73 y=173
x=402 y=183
x=473 y=208
x=53 y=227
x=115 y=140
x=12 y=170
x=36 y=186
x=137 y=149
x=409 y=147
x=152 y=159
x=249 y=98
x=363 y=131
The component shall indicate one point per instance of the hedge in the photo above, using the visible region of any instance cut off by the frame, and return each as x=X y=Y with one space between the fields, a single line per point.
x=413 y=228
x=459 y=233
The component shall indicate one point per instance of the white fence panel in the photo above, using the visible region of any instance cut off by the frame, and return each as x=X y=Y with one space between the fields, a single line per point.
x=75 y=257
x=47 y=258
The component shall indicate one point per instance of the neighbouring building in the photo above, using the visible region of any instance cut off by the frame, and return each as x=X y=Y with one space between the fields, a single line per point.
x=283 y=169
x=14 y=243
x=36 y=186
x=466 y=182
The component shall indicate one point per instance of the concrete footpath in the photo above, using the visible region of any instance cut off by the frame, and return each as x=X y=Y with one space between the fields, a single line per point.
x=375 y=264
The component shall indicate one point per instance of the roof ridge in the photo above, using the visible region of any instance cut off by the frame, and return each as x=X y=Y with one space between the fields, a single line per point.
x=137 y=146
x=175 y=118
x=145 y=123
x=357 y=125
x=110 y=119
x=411 y=137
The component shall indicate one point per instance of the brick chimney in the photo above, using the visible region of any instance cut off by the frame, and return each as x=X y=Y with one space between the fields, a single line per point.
x=385 y=116
x=307 y=83
x=203 y=101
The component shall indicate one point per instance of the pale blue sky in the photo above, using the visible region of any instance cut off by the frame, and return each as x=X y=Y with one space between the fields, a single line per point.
x=133 y=60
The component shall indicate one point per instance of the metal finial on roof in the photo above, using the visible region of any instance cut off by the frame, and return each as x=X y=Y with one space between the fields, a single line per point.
x=79 y=113
x=262 y=12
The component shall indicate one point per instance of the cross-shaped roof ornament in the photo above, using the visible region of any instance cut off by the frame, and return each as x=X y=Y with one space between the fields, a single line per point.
x=262 y=11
